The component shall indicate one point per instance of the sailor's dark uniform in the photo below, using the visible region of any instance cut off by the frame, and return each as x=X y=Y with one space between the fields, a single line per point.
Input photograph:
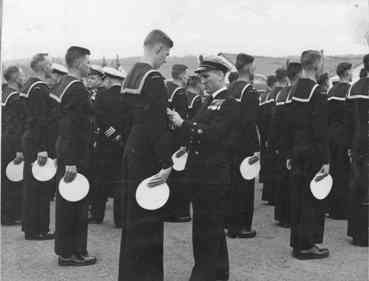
x=357 y=131
x=281 y=182
x=270 y=170
x=148 y=149
x=339 y=160
x=242 y=195
x=178 y=205
x=12 y=112
x=72 y=147
x=306 y=144
x=36 y=195
x=193 y=104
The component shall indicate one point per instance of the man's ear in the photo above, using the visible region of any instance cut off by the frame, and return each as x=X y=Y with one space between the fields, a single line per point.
x=157 y=48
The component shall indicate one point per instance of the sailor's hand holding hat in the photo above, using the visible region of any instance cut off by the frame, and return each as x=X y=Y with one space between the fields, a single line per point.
x=18 y=158
x=42 y=158
x=160 y=178
x=70 y=173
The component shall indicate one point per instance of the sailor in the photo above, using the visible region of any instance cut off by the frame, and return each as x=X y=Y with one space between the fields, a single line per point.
x=263 y=125
x=147 y=152
x=178 y=206
x=278 y=129
x=208 y=168
x=36 y=146
x=12 y=130
x=339 y=160
x=306 y=145
x=242 y=195
x=271 y=186
x=194 y=94
x=72 y=147
x=357 y=133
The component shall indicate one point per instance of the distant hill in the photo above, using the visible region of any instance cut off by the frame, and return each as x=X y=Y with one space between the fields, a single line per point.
x=264 y=65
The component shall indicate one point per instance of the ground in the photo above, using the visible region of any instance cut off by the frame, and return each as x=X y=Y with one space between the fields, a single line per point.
x=264 y=258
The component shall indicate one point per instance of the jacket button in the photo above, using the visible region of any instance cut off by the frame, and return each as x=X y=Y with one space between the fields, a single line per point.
x=196 y=152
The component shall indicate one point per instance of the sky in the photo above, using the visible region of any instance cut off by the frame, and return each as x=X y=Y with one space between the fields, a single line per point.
x=110 y=27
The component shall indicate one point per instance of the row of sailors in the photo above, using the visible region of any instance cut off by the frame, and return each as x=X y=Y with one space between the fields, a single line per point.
x=219 y=133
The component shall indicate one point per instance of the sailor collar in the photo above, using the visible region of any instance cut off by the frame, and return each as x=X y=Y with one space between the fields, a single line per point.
x=216 y=93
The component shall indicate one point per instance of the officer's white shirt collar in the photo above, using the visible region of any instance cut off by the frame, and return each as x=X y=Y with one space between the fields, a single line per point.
x=214 y=95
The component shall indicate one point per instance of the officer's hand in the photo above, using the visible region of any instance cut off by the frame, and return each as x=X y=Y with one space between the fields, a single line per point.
x=174 y=117
x=70 y=173
x=18 y=158
x=160 y=177
x=42 y=158
x=289 y=164
x=325 y=169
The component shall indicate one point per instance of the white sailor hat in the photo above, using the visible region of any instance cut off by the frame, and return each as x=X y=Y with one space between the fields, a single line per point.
x=59 y=68
x=96 y=70
x=214 y=63
x=114 y=73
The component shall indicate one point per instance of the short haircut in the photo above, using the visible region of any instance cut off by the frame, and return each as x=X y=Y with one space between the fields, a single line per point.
x=233 y=76
x=342 y=68
x=36 y=60
x=293 y=69
x=281 y=74
x=242 y=60
x=10 y=72
x=74 y=53
x=157 y=36
x=366 y=62
x=323 y=79
x=309 y=59
x=177 y=70
x=193 y=81
x=363 y=73
x=271 y=79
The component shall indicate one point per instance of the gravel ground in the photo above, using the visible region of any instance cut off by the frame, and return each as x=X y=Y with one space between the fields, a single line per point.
x=264 y=258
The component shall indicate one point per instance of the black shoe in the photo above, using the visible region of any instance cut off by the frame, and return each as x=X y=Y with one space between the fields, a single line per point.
x=322 y=250
x=87 y=258
x=178 y=219
x=75 y=260
x=284 y=224
x=40 y=237
x=242 y=234
x=310 y=254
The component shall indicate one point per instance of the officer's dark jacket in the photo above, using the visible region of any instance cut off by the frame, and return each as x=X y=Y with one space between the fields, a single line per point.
x=12 y=114
x=111 y=113
x=307 y=123
x=38 y=114
x=336 y=111
x=74 y=122
x=149 y=140
x=193 y=104
x=209 y=142
x=356 y=118
x=177 y=98
x=247 y=141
